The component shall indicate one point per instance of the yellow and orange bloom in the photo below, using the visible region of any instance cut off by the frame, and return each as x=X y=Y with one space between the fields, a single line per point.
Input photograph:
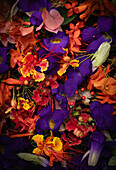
x=51 y=146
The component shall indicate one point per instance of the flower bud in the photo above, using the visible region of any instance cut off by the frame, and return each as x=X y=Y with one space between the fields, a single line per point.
x=13 y=103
x=101 y=54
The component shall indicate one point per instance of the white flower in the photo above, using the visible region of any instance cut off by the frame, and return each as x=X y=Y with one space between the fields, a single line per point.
x=101 y=54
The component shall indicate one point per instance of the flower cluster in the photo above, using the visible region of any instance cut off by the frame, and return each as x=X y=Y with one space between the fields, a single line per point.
x=57 y=84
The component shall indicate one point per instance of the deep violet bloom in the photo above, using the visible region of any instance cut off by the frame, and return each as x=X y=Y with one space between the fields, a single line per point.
x=3 y=58
x=52 y=59
x=97 y=144
x=33 y=5
x=102 y=115
x=97 y=36
x=36 y=18
x=102 y=162
x=77 y=76
x=57 y=42
x=50 y=120
x=9 y=158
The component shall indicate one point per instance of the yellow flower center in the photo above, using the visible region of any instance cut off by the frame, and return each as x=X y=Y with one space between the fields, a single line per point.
x=56 y=40
x=1 y=59
x=51 y=124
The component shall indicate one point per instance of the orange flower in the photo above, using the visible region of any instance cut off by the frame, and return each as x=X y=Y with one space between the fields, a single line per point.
x=74 y=38
x=106 y=85
x=72 y=8
x=65 y=63
x=51 y=146
x=5 y=93
x=100 y=74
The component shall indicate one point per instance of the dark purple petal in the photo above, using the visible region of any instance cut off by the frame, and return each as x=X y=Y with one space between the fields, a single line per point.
x=57 y=118
x=33 y=5
x=45 y=112
x=70 y=86
x=41 y=125
x=3 y=58
x=105 y=23
x=102 y=115
x=85 y=67
x=107 y=109
x=62 y=101
x=90 y=34
x=93 y=46
x=75 y=75
x=36 y=18
x=97 y=144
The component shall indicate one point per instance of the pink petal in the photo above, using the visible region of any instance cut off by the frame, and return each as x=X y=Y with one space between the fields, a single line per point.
x=38 y=28
x=25 y=31
x=53 y=19
x=54 y=31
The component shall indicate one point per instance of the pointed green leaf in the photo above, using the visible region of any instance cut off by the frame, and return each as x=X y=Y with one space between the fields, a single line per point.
x=112 y=161
x=35 y=159
x=67 y=19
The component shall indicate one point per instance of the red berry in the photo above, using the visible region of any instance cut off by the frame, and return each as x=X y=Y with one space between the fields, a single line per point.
x=36 y=35
x=83 y=97
x=92 y=93
x=76 y=92
x=82 y=89
x=72 y=103
x=37 y=49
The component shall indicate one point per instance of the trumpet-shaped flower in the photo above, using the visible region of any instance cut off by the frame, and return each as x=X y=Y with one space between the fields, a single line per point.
x=57 y=42
x=97 y=144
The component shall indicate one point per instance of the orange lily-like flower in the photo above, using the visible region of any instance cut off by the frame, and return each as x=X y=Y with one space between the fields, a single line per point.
x=65 y=63
x=51 y=146
x=74 y=39
x=72 y=8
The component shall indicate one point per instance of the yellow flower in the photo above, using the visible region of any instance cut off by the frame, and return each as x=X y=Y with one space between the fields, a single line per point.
x=38 y=139
x=57 y=144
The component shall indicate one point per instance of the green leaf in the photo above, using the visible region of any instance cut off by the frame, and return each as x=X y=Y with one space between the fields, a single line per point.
x=112 y=161
x=67 y=19
x=35 y=159
x=114 y=151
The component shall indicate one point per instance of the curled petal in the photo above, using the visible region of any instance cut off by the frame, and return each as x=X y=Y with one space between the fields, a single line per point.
x=44 y=65
x=39 y=77
x=70 y=13
x=80 y=9
x=25 y=31
x=67 y=6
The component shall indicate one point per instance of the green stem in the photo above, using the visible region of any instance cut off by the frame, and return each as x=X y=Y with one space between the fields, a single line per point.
x=86 y=59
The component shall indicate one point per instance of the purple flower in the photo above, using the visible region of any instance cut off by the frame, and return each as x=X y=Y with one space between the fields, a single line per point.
x=36 y=18
x=57 y=42
x=102 y=115
x=3 y=58
x=50 y=120
x=97 y=144
x=96 y=36
x=9 y=159
x=33 y=5
x=77 y=76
